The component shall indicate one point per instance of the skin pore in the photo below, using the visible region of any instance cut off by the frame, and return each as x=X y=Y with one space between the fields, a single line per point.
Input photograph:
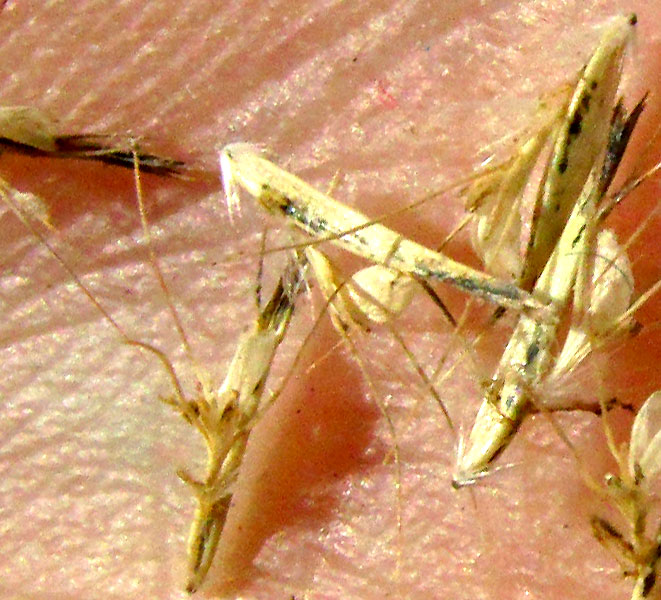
x=400 y=100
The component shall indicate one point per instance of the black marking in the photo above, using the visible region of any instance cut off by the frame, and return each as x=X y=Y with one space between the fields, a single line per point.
x=573 y=130
x=579 y=235
x=585 y=102
x=226 y=415
x=204 y=536
x=315 y=225
x=259 y=386
x=468 y=284
x=362 y=240
x=497 y=314
x=648 y=583
x=510 y=401
x=601 y=526
x=575 y=125
x=622 y=126
x=531 y=354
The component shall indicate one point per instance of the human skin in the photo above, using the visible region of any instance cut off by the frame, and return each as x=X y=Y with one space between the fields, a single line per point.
x=400 y=100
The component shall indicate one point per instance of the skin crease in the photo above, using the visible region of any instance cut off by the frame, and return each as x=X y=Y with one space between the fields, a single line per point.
x=401 y=99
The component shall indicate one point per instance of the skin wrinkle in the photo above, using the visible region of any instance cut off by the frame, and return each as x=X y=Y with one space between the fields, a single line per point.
x=314 y=515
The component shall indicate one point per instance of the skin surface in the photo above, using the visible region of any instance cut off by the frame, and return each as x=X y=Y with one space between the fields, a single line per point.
x=401 y=99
